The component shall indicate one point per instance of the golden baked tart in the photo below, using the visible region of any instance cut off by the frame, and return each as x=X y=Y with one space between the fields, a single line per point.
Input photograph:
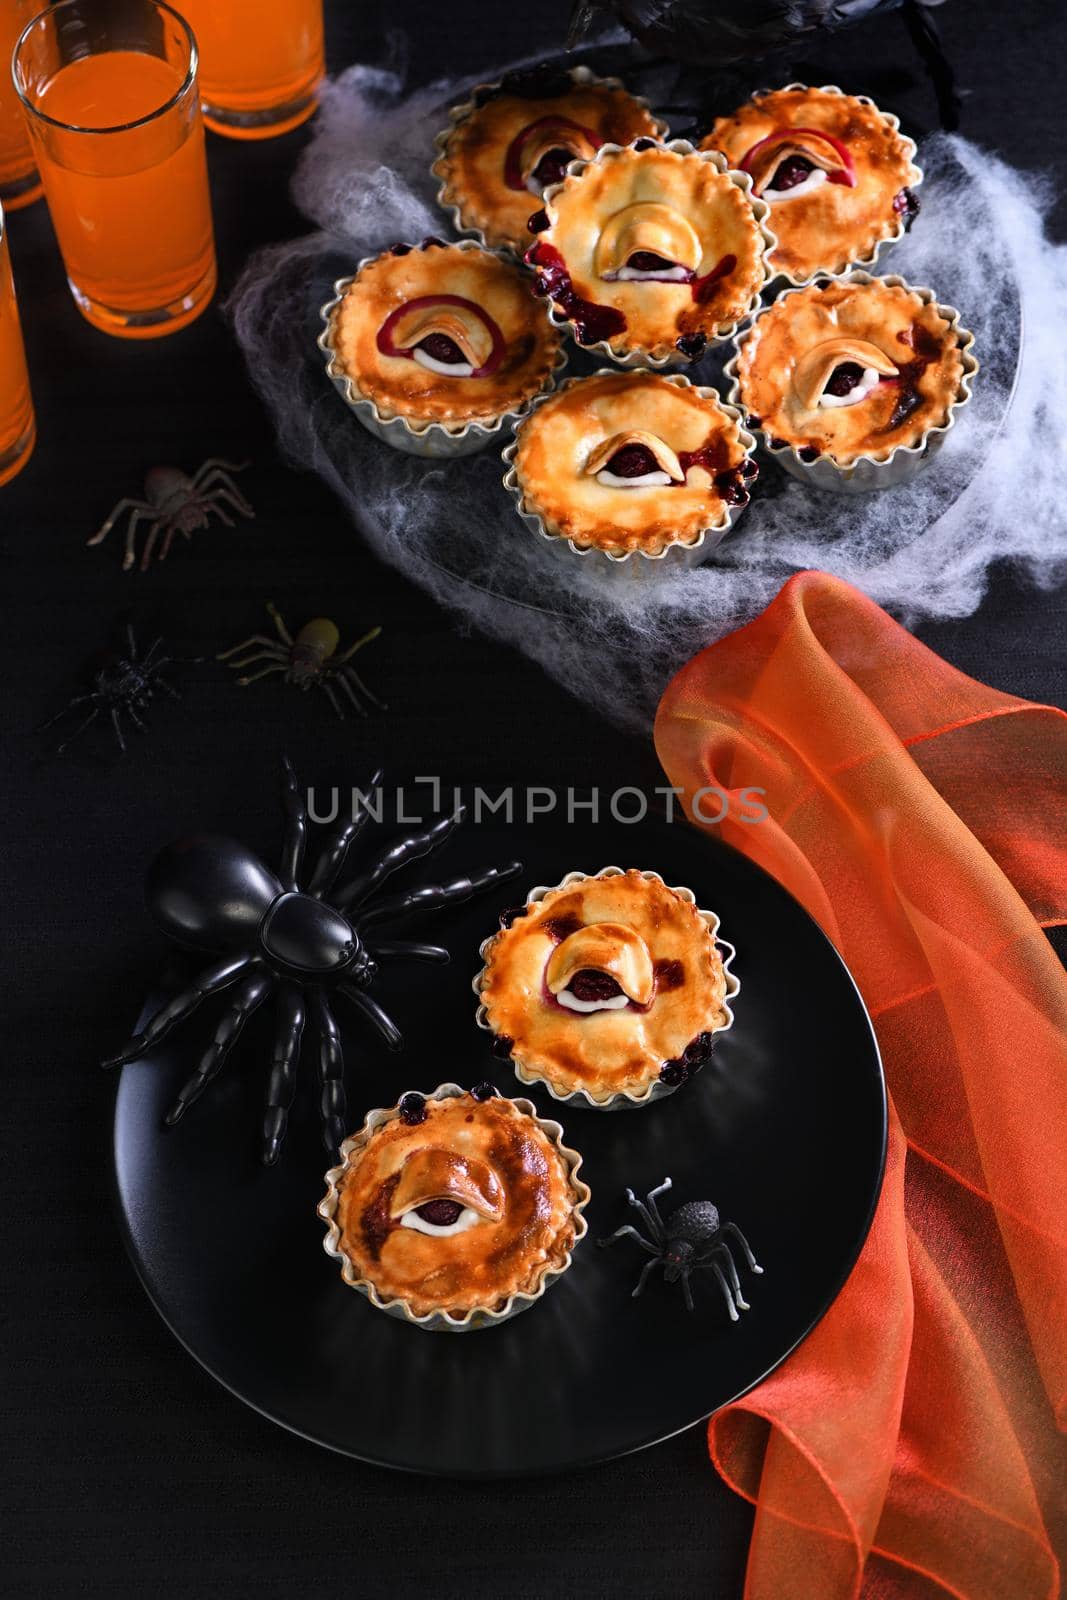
x=438 y=339
x=837 y=173
x=511 y=139
x=651 y=252
x=631 y=463
x=852 y=371
x=454 y=1210
x=608 y=989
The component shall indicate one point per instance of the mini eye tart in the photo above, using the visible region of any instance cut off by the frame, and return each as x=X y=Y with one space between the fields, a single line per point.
x=653 y=250
x=456 y=1213
x=850 y=368
x=837 y=173
x=625 y=461
x=609 y=985
x=516 y=137
x=444 y=333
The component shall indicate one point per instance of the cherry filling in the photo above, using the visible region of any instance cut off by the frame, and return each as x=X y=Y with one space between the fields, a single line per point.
x=412 y=1109
x=844 y=379
x=455 y=355
x=633 y=461
x=702 y=287
x=906 y=204
x=442 y=348
x=793 y=170
x=552 y=165
x=592 y=985
x=592 y=322
x=439 y=1213
x=845 y=174
x=648 y=261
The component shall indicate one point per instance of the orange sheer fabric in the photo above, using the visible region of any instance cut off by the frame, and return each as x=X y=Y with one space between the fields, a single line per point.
x=921 y=817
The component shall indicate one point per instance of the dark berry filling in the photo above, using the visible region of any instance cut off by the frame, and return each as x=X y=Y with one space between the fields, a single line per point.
x=592 y=322
x=439 y=1213
x=700 y=1049
x=648 y=261
x=907 y=401
x=809 y=453
x=431 y=240
x=412 y=1109
x=644 y=144
x=692 y=345
x=498 y=349
x=439 y=347
x=590 y=985
x=538 y=222
x=702 y=287
x=400 y=250
x=844 y=378
x=669 y=974
x=673 y=1073
x=633 y=461
x=793 y=170
x=907 y=204
x=732 y=488
x=507 y=917
x=552 y=166
x=484 y=1091
x=503 y=1046
x=560 y=928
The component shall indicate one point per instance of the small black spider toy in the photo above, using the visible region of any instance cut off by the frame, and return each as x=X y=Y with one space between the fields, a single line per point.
x=272 y=936
x=123 y=685
x=691 y=1237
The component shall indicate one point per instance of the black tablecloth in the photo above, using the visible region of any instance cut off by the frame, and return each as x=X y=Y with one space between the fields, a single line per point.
x=125 y=1470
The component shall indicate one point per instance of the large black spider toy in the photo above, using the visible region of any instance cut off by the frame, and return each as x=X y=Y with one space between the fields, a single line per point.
x=270 y=935
x=691 y=1237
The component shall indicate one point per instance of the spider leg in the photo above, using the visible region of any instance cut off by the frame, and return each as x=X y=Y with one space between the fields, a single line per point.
x=129 y=504
x=726 y=1292
x=731 y=1268
x=295 y=829
x=686 y=1289
x=282 y=1082
x=134 y=716
x=331 y=1072
x=333 y=856
x=218 y=478
x=250 y=993
x=264 y=672
x=274 y=652
x=78 y=700
x=217 y=465
x=94 y=713
x=222 y=492
x=350 y=672
x=344 y=684
x=218 y=976
x=628 y=1231
x=407 y=950
x=648 y=1217
x=367 y=638
x=131 y=645
x=154 y=532
x=256 y=638
x=435 y=895
x=331 y=697
x=375 y=1014
x=653 y=1195
x=118 y=729
x=410 y=848
x=731 y=1227
x=276 y=617
x=648 y=1268
x=213 y=503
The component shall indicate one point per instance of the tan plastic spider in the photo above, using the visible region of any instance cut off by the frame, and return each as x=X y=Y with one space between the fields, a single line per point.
x=310 y=658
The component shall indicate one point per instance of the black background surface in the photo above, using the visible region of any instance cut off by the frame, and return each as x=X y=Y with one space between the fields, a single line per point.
x=125 y=1470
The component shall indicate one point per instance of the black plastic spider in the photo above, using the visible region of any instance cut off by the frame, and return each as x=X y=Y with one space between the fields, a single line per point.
x=215 y=894
x=122 y=685
x=691 y=1237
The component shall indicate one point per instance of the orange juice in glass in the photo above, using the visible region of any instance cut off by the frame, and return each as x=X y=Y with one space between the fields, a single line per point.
x=19 y=183
x=112 y=104
x=17 y=431
x=261 y=63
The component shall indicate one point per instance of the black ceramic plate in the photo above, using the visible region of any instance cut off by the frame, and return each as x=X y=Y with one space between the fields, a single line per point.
x=784 y=1130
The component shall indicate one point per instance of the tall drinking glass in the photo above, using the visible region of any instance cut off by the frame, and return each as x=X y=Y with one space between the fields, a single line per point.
x=112 y=103
x=19 y=183
x=17 y=431
x=261 y=63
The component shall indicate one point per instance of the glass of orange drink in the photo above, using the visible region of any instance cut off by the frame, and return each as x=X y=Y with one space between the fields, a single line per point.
x=19 y=183
x=261 y=63
x=110 y=92
x=17 y=431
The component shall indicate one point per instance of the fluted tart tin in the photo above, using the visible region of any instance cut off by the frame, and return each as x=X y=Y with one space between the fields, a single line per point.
x=671 y=554
x=657 y=1079
x=479 y=1316
x=435 y=440
x=865 y=471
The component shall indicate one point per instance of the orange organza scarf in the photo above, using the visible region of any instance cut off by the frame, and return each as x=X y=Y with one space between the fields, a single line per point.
x=910 y=1444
